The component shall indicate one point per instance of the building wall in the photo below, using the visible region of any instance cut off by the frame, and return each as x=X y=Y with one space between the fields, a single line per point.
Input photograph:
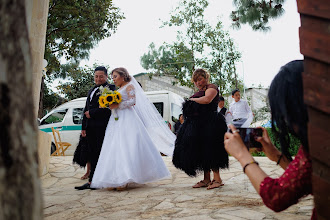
x=162 y=83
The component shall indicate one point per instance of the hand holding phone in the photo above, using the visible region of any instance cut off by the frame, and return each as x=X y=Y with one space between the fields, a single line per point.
x=249 y=136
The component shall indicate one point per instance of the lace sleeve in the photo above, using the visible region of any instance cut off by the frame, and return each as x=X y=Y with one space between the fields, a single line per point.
x=131 y=98
x=296 y=182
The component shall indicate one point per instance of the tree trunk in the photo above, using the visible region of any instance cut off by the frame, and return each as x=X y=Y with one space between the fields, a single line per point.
x=20 y=191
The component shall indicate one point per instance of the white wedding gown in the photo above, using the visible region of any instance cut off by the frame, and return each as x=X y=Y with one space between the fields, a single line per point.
x=128 y=153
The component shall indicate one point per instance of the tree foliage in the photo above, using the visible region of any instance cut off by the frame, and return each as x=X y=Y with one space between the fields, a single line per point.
x=198 y=45
x=80 y=81
x=169 y=59
x=74 y=28
x=256 y=13
x=50 y=100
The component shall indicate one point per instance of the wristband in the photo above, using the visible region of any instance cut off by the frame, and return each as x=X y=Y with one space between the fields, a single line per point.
x=252 y=162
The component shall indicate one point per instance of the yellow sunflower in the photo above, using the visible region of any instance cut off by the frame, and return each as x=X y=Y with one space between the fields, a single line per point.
x=109 y=99
x=118 y=97
x=102 y=102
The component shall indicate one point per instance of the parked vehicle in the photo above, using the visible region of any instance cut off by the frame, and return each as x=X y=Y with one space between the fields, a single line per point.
x=168 y=104
x=67 y=118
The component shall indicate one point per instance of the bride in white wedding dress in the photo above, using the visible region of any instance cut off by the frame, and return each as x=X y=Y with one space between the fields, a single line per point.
x=132 y=144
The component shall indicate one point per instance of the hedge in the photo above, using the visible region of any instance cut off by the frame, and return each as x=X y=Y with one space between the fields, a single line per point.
x=293 y=149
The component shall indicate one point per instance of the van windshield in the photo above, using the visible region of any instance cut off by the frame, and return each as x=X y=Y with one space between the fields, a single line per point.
x=55 y=117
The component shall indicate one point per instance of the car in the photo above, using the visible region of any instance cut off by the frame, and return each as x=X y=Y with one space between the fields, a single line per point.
x=67 y=118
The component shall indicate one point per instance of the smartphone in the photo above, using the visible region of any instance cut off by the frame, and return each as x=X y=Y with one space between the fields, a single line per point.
x=249 y=136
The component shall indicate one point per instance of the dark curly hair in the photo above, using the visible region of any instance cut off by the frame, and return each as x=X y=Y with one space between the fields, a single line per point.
x=286 y=99
x=123 y=73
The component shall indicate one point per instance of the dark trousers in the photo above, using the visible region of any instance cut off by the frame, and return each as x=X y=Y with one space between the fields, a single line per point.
x=95 y=138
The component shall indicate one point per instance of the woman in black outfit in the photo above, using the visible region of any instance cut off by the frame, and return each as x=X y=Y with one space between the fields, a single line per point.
x=200 y=140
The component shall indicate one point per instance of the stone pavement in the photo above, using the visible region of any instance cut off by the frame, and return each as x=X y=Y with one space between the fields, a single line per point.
x=167 y=199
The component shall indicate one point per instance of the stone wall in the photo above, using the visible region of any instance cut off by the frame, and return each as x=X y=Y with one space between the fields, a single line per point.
x=44 y=142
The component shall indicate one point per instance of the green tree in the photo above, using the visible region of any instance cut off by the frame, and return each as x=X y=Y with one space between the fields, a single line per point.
x=74 y=28
x=50 y=100
x=222 y=58
x=189 y=16
x=198 y=44
x=256 y=13
x=169 y=59
x=80 y=81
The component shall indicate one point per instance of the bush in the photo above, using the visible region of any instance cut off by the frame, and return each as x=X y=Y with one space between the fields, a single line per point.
x=293 y=148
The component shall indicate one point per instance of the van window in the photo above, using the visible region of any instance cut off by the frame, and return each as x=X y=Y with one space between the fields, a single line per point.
x=160 y=107
x=55 y=117
x=77 y=115
x=175 y=111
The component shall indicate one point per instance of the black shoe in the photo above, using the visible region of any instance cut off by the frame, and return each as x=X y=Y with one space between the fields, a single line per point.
x=85 y=186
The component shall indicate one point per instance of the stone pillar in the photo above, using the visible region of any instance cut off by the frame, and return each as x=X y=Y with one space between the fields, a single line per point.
x=37 y=14
x=37 y=22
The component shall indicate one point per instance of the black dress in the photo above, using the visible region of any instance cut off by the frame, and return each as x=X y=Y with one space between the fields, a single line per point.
x=200 y=140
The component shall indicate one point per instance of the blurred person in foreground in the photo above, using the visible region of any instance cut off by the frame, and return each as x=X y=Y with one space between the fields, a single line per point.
x=289 y=116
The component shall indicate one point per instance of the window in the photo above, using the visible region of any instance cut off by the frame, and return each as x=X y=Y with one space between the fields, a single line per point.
x=55 y=117
x=77 y=115
x=175 y=111
x=160 y=107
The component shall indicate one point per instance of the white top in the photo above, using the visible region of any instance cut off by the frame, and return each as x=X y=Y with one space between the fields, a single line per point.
x=240 y=109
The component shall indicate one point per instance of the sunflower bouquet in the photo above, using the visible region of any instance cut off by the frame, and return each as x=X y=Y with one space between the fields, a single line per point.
x=108 y=97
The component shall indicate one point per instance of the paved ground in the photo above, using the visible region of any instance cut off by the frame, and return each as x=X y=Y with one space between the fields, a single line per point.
x=167 y=199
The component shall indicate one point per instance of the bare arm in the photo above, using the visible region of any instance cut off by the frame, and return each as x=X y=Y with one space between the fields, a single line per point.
x=271 y=151
x=235 y=147
x=209 y=96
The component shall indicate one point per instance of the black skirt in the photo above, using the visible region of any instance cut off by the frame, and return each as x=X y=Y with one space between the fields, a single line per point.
x=82 y=153
x=200 y=140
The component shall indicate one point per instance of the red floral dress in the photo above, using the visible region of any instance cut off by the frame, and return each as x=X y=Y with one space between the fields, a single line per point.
x=296 y=182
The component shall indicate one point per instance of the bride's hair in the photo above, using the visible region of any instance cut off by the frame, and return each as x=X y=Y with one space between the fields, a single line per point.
x=123 y=73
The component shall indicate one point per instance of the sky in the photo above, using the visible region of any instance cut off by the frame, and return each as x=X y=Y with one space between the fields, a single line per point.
x=262 y=53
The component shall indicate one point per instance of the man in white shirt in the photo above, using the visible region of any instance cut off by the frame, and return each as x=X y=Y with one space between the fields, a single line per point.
x=240 y=110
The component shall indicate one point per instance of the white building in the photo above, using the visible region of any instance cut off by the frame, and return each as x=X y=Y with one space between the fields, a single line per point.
x=165 y=82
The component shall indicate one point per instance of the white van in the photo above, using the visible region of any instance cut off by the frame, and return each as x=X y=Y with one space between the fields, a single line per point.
x=67 y=118
x=168 y=104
